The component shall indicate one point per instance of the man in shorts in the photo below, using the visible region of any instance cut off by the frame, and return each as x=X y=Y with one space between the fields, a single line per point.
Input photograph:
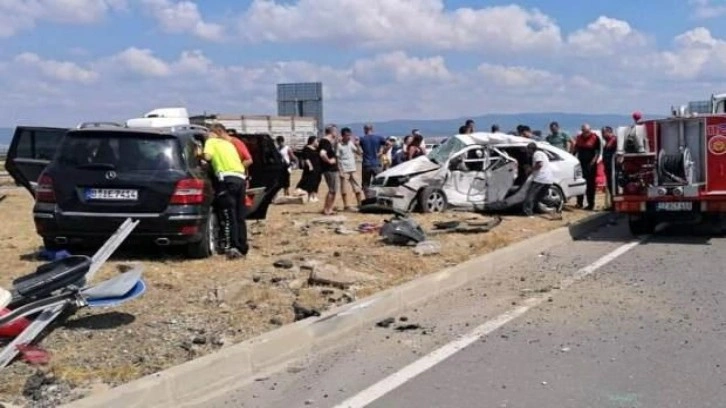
x=329 y=167
x=346 y=153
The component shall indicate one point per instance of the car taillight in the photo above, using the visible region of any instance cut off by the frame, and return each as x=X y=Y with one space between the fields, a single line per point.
x=188 y=191
x=44 y=191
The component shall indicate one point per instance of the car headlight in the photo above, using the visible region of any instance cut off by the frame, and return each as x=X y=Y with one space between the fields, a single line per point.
x=578 y=171
x=378 y=181
x=397 y=181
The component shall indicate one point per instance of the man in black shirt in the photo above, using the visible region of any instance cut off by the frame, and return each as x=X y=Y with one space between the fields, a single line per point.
x=329 y=167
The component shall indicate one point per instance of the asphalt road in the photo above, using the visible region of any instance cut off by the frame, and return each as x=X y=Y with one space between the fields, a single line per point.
x=645 y=329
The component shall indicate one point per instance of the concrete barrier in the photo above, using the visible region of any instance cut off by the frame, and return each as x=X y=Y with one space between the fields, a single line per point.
x=197 y=381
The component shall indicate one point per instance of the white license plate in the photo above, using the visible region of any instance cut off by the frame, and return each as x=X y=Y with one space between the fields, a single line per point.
x=675 y=206
x=111 y=194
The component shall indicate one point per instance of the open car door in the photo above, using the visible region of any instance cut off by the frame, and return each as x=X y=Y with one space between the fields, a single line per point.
x=266 y=173
x=461 y=172
x=499 y=175
x=30 y=152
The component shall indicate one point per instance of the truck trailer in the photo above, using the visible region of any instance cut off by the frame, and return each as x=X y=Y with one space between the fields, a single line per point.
x=295 y=129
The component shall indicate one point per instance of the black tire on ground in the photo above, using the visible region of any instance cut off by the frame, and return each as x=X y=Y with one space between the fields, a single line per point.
x=641 y=225
x=207 y=246
x=554 y=192
x=432 y=200
x=50 y=245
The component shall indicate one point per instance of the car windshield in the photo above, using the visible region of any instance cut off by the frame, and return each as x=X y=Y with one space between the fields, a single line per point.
x=446 y=149
x=111 y=151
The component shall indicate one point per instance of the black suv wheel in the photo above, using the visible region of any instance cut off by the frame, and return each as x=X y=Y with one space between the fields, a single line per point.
x=207 y=246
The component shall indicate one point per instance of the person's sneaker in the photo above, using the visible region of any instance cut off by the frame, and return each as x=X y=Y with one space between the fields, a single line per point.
x=234 y=253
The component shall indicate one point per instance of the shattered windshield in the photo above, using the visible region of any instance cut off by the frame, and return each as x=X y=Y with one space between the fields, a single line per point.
x=446 y=149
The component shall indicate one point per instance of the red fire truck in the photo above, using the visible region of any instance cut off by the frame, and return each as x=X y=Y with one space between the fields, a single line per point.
x=672 y=169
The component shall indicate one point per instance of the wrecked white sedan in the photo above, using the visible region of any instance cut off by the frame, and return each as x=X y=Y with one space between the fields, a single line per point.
x=475 y=172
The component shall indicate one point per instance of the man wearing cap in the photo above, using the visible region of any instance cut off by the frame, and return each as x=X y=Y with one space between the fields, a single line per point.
x=373 y=146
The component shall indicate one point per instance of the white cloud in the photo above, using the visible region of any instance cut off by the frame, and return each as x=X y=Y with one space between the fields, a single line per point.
x=179 y=17
x=141 y=62
x=395 y=24
x=397 y=58
x=605 y=37
x=57 y=70
x=18 y=15
x=696 y=54
x=706 y=9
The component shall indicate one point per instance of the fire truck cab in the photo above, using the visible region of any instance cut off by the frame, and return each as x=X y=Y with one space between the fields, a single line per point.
x=673 y=168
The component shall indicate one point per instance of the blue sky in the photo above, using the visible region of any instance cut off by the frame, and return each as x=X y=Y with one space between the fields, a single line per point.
x=63 y=61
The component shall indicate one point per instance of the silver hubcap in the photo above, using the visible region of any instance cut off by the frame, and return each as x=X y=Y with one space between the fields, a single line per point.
x=435 y=202
x=553 y=195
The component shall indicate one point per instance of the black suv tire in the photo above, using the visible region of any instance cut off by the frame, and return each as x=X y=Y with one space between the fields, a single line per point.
x=207 y=246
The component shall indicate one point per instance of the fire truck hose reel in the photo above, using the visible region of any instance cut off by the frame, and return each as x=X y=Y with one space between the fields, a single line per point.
x=675 y=166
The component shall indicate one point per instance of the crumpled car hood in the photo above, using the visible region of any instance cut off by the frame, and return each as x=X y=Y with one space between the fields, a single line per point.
x=418 y=165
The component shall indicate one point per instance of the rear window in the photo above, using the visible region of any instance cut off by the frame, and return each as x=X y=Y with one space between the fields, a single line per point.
x=120 y=152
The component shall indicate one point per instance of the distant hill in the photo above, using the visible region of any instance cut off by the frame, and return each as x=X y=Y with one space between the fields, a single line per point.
x=569 y=122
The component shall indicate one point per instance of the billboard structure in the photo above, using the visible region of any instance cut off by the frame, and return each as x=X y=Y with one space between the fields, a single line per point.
x=301 y=99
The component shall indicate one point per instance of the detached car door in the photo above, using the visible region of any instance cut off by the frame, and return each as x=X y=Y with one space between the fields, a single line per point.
x=30 y=152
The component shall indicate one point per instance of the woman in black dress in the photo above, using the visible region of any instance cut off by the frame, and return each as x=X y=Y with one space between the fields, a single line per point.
x=311 y=177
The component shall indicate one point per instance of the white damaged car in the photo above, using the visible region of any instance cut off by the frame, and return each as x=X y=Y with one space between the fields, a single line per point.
x=474 y=172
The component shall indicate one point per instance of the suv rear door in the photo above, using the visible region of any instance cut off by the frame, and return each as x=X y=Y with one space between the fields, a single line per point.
x=30 y=152
x=266 y=172
x=117 y=171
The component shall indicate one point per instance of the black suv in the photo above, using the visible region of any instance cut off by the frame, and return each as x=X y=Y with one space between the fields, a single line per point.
x=87 y=181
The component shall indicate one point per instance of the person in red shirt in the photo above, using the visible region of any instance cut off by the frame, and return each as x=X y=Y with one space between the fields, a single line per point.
x=587 y=150
x=245 y=156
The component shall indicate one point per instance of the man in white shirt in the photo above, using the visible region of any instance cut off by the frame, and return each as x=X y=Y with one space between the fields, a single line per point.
x=541 y=181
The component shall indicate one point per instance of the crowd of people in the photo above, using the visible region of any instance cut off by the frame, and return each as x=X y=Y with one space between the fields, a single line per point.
x=333 y=159
x=587 y=146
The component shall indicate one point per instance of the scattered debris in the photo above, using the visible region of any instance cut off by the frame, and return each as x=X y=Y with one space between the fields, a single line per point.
x=303 y=312
x=288 y=200
x=402 y=230
x=407 y=327
x=283 y=264
x=345 y=231
x=368 y=227
x=296 y=284
x=427 y=248
x=337 y=276
x=276 y=321
x=330 y=221
x=439 y=225
x=467 y=227
x=33 y=355
x=403 y=319
x=386 y=323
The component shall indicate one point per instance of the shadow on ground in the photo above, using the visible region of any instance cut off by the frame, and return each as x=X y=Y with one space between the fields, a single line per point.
x=104 y=321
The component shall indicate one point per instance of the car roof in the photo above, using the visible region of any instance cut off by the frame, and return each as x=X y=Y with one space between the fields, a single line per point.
x=178 y=131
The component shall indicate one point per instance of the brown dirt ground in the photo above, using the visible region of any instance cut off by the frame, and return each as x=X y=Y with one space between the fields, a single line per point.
x=217 y=302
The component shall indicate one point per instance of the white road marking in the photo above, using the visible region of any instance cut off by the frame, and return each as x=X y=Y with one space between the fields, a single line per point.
x=412 y=370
